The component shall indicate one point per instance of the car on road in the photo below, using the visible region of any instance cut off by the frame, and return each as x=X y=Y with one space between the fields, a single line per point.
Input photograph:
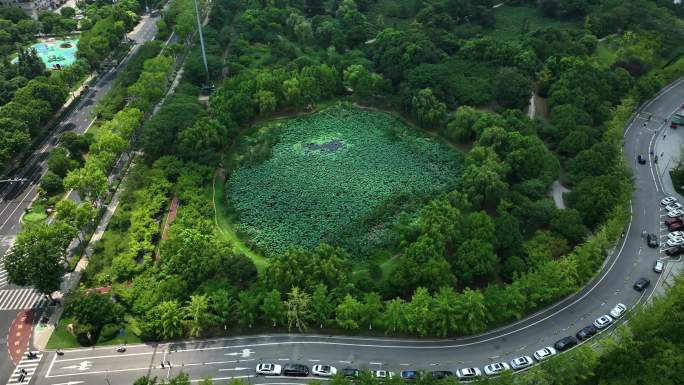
x=641 y=159
x=296 y=370
x=323 y=370
x=586 y=332
x=658 y=267
x=520 y=363
x=673 y=206
x=441 y=374
x=674 y=251
x=350 y=372
x=672 y=242
x=618 y=311
x=641 y=284
x=544 y=353
x=668 y=200
x=565 y=343
x=496 y=368
x=409 y=375
x=603 y=321
x=468 y=373
x=266 y=369
x=652 y=240
x=382 y=374
x=675 y=234
x=675 y=213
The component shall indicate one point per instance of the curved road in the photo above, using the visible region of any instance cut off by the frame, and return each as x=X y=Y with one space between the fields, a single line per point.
x=236 y=357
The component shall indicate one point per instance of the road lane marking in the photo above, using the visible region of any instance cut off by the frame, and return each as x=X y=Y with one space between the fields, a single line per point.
x=97 y=372
x=120 y=355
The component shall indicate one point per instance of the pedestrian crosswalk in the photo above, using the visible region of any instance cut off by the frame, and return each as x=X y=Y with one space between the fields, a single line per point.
x=25 y=370
x=3 y=276
x=19 y=299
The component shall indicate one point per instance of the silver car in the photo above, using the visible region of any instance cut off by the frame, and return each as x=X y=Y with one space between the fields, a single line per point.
x=544 y=353
x=468 y=373
x=603 y=321
x=521 y=362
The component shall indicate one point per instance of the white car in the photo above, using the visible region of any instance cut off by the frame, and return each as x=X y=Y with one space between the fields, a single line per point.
x=675 y=234
x=323 y=370
x=268 y=369
x=496 y=368
x=467 y=373
x=521 y=362
x=675 y=213
x=673 y=206
x=677 y=241
x=618 y=311
x=668 y=201
x=382 y=374
x=544 y=353
x=603 y=321
x=658 y=267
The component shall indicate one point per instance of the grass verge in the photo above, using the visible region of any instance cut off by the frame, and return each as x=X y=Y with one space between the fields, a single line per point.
x=62 y=339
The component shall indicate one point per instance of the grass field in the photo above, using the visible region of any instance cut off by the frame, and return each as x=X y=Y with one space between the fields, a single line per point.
x=510 y=21
x=62 y=339
x=337 y=176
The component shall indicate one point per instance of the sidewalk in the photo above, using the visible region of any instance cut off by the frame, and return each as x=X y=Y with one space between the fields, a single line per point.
x=668 y=147
x=43 y=332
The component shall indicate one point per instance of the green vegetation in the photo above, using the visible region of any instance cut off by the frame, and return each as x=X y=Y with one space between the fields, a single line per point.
x=511 y=21
x=328 y=175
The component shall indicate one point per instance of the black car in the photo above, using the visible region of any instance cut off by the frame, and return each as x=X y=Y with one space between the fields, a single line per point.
x=565 y=343
x=586 y=332
x=641 y=159
x=641 y=284
x=296 y=370
x=674 y=251
x=441 y=374
x=350 y=372
x=652 y=240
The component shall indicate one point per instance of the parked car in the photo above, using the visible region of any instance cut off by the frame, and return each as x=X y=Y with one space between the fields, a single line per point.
x=641 y=159
x=441 y=374
x=652 y=240
x=409 y=375
x=674 y=251
x=496 y=368
x=296 y=370
x=565 y=343
x=641 y=284
x=675 y=213
x=544 y=353
x=675 y=234
x=672 y=242
x=618 y=311
x=468 y=373
x=266 y=369
x=603 y=321
x=672 y=221
x=323 y=370
x=350 y=372
x=658 y=267
x=676 y=226
x=673 y=206
x=520 y=363
x=382 y=374
x=586 y=332
x=668 y=200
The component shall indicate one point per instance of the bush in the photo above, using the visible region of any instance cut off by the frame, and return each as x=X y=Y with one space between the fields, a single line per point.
x=108 y=332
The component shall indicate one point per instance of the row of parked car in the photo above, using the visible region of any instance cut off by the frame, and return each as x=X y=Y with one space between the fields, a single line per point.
x=675 y=225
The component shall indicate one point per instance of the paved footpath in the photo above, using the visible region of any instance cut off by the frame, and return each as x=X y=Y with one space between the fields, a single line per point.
x=19 y=335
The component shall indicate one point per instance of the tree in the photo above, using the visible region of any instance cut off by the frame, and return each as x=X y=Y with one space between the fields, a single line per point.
x=203 y=140
x=59 y=162
x=513 y=88
x=76 y=144
x=92 y=310
x=272 y=307
x=349 y=313
x=595 y=197
x=394 y=317
x=483 y=178
x=168 y=315
x=67 y=12
x=322 y=305
x=445 y=312
x=297 y=305
x=247 y=308
x=51 y=183
x=76 y=215
x=427 y=109
x=89 y=181
x=197 y=314
x=473 y=311
x=474 y=259
x=568 y=223
x=38 y=257
x=371 y=308
x=419 y=314
x=266 y=100
x=364 y=83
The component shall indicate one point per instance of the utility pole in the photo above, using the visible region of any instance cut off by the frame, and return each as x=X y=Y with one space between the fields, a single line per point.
x=204 y=55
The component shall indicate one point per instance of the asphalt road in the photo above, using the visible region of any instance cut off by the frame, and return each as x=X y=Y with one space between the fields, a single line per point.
x=16 y=197
x=236 y=357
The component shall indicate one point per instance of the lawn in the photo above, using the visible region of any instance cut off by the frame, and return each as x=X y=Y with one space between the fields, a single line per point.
x=339 y=176
x=36 y=213
x=511 y=21
x=62 y=339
